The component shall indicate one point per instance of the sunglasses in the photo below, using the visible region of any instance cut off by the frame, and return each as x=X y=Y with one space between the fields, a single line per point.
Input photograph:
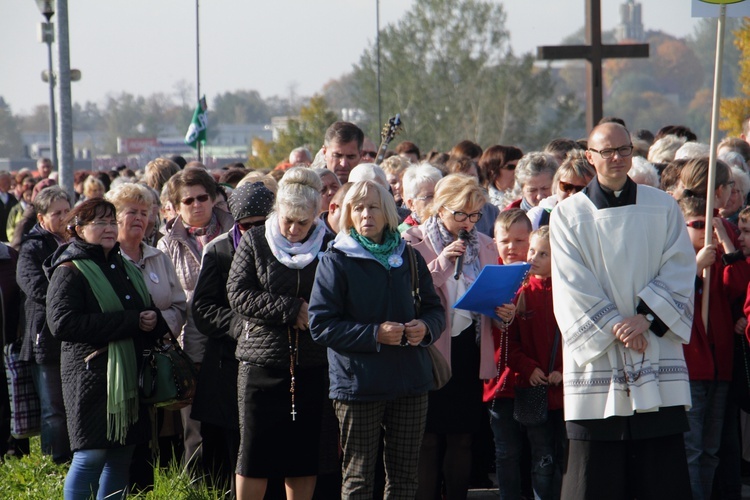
x=246 y=226
x=203 y=198
x=509 y=166
x=371 y=154
x=696 y=224
x=567 y=187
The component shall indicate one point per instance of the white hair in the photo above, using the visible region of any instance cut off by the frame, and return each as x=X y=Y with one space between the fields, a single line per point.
x=734 y=159
x=741 y=180
x=643 y=172
x=663 y=150
x=369 y=172
x=417 y=176
x=691 y=150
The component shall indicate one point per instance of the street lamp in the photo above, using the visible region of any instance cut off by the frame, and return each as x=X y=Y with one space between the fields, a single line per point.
x=47 y=35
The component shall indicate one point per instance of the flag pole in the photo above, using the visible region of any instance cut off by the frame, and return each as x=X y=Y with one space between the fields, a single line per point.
x=198 y=67
x=711 y=188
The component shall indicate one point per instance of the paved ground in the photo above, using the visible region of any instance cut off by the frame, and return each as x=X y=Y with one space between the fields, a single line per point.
x=492 y=494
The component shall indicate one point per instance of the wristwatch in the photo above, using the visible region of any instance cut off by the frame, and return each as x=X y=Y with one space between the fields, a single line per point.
x=649 y=317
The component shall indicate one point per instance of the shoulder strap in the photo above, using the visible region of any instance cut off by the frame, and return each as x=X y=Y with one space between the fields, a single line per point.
x=414 y=279
x=553 y=355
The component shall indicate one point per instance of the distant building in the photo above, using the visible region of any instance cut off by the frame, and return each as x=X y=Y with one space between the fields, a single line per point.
x=631 y=26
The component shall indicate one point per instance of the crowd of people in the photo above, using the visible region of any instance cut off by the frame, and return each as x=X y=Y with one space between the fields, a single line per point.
x=317 y=303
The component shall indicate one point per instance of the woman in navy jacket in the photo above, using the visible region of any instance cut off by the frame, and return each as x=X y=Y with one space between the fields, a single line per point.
x=362 y=309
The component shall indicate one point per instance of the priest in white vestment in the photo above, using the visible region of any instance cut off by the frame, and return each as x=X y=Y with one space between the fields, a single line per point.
x=623 y=272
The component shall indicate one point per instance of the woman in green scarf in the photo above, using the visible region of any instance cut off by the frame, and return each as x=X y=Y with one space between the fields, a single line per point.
x=363 y=310
x=99 y=307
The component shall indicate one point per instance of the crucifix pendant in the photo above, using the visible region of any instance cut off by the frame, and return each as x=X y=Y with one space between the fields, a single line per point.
x=627 y=390
x=293 y=413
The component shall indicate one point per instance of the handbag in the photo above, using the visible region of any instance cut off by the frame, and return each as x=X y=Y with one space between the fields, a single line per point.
x=167 y=377
x=25 y=407
x=530 y=404
x=441 y=369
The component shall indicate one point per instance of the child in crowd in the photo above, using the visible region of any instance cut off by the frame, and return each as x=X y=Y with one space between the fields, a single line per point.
x=709 y=354
x=736 y=279
x=512 y=230
x=535 y=344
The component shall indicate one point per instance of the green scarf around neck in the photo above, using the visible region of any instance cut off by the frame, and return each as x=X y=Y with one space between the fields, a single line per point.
x=381 y=251
x=122 y=371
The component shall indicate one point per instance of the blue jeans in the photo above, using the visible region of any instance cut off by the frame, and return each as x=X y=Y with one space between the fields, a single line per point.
x=102 y=472
x=54 y=436
x=706 y=418
x=547 y=454
x=507 y=434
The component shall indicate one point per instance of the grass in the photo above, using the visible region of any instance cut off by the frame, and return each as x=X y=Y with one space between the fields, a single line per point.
x=36 y=476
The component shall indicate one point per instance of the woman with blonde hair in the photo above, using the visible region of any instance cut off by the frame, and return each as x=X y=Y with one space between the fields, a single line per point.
x=456 y=410
x=363 y=310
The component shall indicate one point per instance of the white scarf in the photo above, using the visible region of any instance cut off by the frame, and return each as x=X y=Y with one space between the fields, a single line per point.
x=294 y=255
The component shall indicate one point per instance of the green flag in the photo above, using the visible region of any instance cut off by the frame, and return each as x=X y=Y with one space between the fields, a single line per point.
x=197 y=129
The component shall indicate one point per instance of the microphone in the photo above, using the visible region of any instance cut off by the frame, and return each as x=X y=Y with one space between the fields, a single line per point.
x=463 y=235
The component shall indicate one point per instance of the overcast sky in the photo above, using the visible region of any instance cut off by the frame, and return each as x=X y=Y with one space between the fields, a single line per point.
x=147 y=46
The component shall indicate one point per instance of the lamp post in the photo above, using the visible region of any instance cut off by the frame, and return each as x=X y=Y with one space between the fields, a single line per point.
x=47 y=35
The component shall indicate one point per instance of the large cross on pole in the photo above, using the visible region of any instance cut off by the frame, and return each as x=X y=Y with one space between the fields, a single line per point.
x=594 y=52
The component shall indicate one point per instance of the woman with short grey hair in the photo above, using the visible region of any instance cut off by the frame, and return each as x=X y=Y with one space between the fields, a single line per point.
x=52 y=205
x=534 y=174
x=282 y=373
x=418 y=186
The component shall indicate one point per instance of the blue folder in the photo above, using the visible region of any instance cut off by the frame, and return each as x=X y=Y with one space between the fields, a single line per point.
x=496 y=285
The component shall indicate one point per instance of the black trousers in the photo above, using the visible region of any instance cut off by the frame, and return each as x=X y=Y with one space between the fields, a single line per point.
x=641 y=469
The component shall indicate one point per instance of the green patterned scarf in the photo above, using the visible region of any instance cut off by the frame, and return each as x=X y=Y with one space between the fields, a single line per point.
x=381 y=251
x=122 y=372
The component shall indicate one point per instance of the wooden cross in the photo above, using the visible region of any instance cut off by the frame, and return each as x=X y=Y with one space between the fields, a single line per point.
x=594 y=52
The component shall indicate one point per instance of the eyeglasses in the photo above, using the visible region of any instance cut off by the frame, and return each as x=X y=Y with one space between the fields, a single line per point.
x=462 y=216
x=567 y=187
x=622 y=151
x=425 y=198
x=371 y=154
x=203 y=198
x=509 y=166
x=696 y=224
x=101 y=224
x=246 y=226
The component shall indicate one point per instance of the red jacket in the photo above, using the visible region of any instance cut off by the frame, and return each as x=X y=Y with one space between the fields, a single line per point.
x=709 y=355
x=532 y=337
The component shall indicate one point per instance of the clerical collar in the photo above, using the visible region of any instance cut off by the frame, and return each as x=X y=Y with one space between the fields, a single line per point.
x=604 y=197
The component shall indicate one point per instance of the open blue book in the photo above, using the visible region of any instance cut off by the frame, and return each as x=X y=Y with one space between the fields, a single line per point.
x=496 y=285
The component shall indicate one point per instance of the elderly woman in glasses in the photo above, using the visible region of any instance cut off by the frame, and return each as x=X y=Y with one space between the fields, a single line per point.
x=193 y=194
x=572 y=176
x=99 y=307
x=455 y=411
x=418 y=184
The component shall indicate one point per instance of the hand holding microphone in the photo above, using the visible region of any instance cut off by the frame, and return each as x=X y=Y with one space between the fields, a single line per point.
x=463 y=235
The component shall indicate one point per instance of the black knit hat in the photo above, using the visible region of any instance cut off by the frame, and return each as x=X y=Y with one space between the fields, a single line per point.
x=251 y=200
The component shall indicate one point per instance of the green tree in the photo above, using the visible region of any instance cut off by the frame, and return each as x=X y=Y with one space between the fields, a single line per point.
x=456 y=78
x=240 y=107
x=736 y=109
x=306 y=130
x=11 y=144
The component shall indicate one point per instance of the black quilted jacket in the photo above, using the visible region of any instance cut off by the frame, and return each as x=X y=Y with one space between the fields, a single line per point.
x=268 y=295
x=75 y=318
x=38 y=343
